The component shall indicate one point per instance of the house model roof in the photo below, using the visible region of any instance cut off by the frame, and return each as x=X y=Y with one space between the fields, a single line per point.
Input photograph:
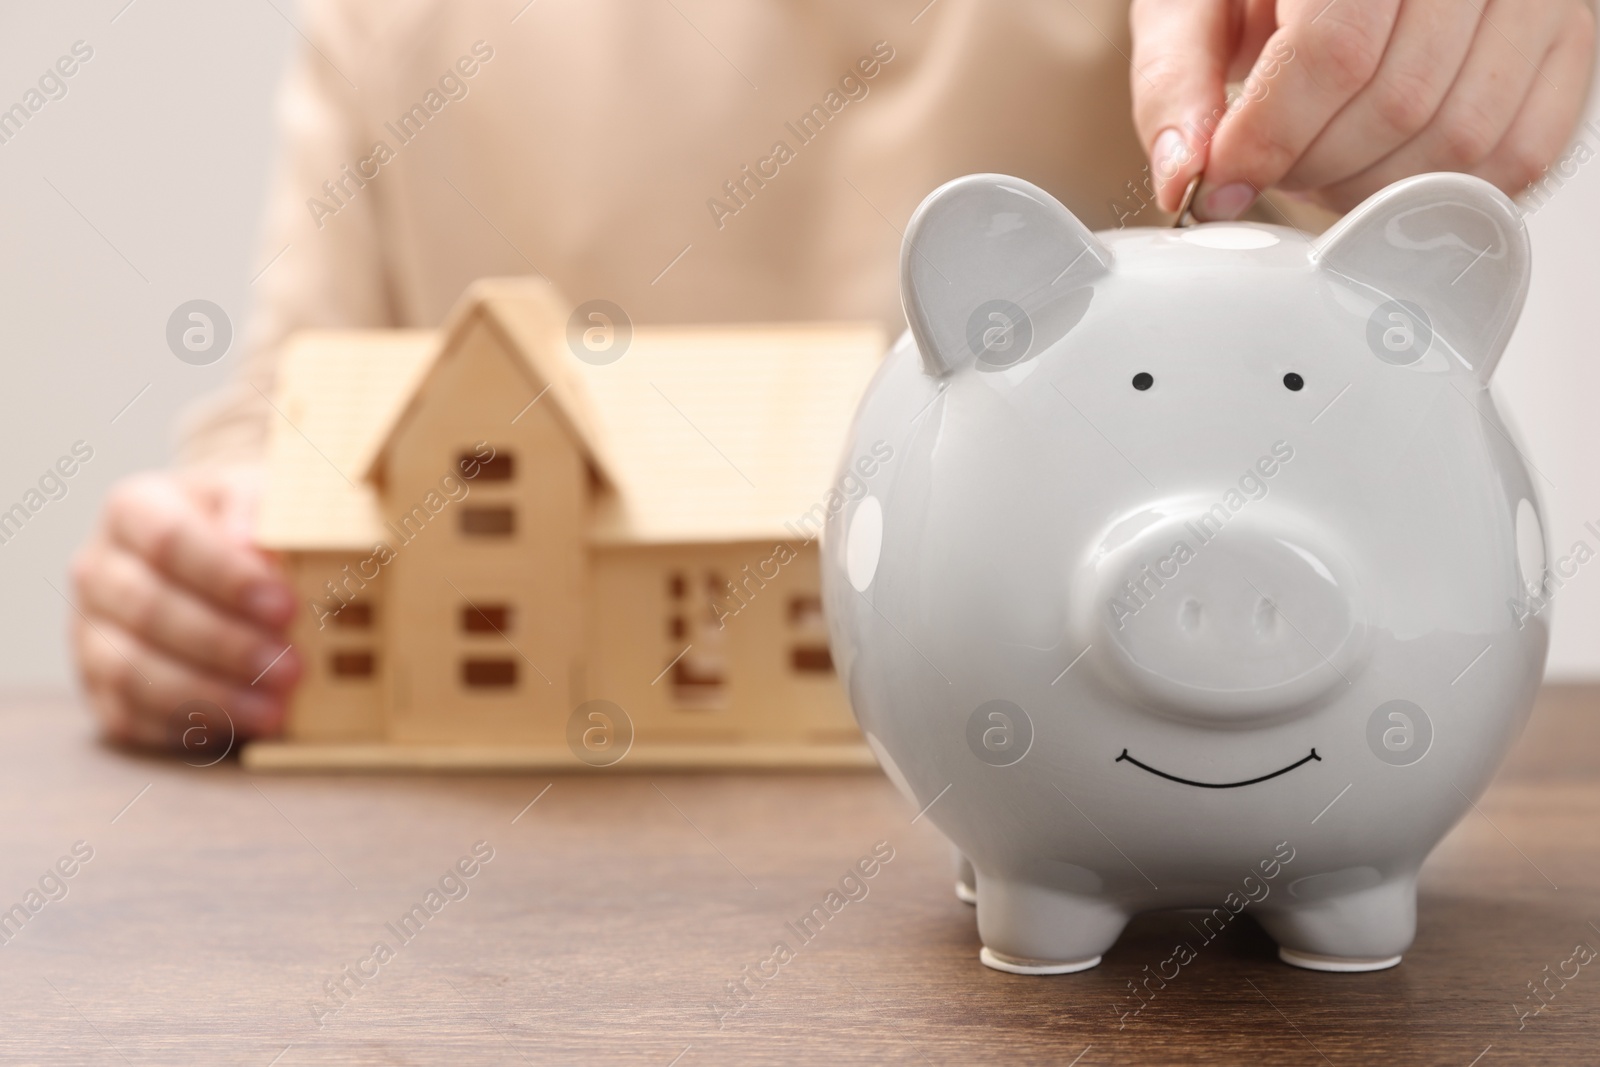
x=697 y=433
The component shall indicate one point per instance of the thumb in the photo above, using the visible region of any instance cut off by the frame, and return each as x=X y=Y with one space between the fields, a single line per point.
x=1180 y=59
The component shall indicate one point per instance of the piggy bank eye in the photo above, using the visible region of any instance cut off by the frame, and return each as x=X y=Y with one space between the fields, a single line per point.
x=1293 y=382
x=1143 y=381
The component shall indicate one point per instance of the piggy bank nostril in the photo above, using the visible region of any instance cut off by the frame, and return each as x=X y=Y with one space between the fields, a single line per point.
x=1189 y=615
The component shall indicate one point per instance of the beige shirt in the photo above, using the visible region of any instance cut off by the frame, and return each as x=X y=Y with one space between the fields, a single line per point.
x=689 y=160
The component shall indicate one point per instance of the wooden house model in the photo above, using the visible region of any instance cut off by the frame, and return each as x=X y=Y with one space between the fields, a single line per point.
x=508 y=556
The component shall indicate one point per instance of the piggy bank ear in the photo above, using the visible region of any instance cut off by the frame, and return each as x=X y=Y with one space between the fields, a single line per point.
x=1452 y=246
x=993 y=269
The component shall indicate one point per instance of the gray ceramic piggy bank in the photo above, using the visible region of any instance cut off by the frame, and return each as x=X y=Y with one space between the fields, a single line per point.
x=1203 y=572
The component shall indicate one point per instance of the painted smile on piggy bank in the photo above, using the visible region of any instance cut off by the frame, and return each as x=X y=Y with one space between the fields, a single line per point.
x=1207 y=554
x=1218 y=785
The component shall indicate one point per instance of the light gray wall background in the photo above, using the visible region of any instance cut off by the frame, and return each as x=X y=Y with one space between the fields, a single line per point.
x=141 y=189
x=158 y=156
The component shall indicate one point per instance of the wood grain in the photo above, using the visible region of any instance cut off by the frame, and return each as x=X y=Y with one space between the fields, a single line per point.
x=294 y=756
x=616 y=907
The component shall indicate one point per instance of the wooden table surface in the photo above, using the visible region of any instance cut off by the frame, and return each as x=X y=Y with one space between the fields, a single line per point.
x=218 y=907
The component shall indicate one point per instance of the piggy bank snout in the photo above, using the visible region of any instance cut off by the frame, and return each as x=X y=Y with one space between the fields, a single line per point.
x=1229 y=625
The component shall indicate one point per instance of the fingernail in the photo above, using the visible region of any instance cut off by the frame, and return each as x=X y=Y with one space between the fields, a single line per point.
x=1170 y=154
x=275 y=666
x=1227 y=201
x=270 y=602
x=257 y=709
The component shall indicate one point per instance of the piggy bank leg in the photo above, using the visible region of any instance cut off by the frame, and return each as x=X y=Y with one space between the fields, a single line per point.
x=1028 y=929
x=966 y=881
x=1359 y=930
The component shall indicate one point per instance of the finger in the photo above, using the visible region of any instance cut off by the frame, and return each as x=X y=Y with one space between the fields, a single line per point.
x=1180 y=60
x=140 y=694
x=109 y=673
x=1257 y=24
x=231 y=495
x=1547 y=117
x=115 y=584
x=1325 y=52
x=1478 y=110
x=206 y=488
x=118 y=723
x=157 y=519
x=1430 y=43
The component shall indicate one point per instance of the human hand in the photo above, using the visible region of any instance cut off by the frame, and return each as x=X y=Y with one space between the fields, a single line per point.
x=1343 y=97
x=176 y=604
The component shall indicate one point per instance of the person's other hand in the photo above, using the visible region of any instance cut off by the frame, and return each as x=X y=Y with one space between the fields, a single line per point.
x=176 y=605
x=1343 y=97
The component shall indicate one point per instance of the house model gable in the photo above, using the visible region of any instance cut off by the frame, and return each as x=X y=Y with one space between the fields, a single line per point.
x=491 y=534
x=521 y=322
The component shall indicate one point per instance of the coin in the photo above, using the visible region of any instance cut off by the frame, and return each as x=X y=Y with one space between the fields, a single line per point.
x=1186 y=202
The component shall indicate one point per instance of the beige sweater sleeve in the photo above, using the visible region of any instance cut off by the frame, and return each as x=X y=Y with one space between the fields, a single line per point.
x=599 y=142
x=323 y=275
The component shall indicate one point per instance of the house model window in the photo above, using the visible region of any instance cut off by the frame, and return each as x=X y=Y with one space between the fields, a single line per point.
x=497 y=521
x=603 y=549
x=809 y=653
x=500 y=468
x=698 y=677
x=356 y=615
x=495 y=673
x=352 y=664
x=346 y=663
x=485 y=618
